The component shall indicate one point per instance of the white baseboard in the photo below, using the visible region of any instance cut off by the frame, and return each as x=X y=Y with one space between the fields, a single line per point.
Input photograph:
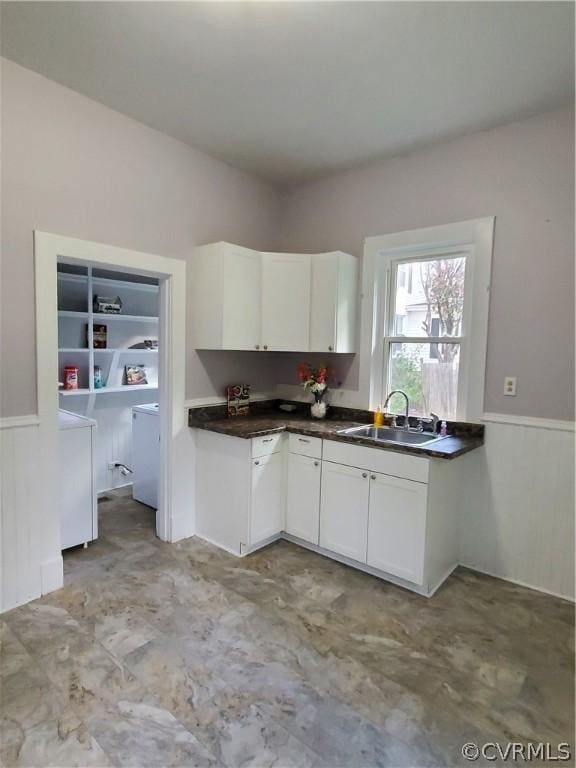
x=52 y=574
x=519 y=583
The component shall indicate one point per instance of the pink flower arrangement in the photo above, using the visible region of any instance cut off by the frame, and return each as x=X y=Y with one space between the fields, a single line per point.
x=314 y=379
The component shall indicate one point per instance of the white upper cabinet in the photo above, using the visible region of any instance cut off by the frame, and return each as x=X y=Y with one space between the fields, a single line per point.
x=289 y=302
x=226 y=288
x=241 y=304
x=286 y=281
x=333 y=304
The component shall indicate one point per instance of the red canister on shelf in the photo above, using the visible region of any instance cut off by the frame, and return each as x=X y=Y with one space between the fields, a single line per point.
x=71 y=377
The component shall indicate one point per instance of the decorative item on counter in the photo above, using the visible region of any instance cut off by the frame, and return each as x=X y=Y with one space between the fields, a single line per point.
x=99 y=336
x=135 y=374
x=238 y=399
x=107 y=305
x=98 y=382
x=316 y=381
x=70 y=377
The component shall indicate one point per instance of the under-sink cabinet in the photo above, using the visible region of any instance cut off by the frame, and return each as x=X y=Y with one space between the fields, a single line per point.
x=391 y=514
x=290 y=302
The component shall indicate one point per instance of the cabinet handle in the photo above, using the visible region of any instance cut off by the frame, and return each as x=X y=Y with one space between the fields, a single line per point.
x=330 y=349
x=303 y=440
x=364 y=474
x=265 y=346
x=256 y=462
x=316 y=463
x=372 y=477
x=267 y=440
x=256 y=346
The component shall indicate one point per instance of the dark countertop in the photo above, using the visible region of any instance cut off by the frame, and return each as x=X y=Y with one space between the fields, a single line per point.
x=260 y=424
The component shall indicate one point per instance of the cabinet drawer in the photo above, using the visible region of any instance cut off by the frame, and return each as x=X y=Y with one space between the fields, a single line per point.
x=377 y=460
x=307 y=446
x=267 y=444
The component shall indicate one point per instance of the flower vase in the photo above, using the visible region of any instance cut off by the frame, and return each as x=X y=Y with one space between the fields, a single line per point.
x=318 y=407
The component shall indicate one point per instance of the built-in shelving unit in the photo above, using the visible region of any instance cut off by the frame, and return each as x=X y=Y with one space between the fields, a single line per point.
x=137 y=322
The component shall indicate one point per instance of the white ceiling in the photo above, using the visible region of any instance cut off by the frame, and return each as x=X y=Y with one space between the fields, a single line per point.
x=297 y=89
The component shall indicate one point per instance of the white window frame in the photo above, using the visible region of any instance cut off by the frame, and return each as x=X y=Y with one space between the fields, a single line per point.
x=474 y=239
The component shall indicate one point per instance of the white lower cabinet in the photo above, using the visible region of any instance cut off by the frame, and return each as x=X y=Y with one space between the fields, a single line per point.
x=391 y=514
x=397 y=526
x=344 y=510
x=266 y=504
x=303 y=497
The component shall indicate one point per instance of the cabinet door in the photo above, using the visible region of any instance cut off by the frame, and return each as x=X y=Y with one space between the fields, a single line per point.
x=286 y=301
x=303 y=497
x=344 y=510
x=242 y=298
x=267 y=506
x=323 y=302
x=397 y=526
x=76 y=487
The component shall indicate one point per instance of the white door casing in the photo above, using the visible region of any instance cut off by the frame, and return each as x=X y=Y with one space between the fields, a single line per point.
x=175 y=514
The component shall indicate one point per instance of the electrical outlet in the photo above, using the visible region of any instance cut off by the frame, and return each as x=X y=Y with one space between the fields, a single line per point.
x=510 y=386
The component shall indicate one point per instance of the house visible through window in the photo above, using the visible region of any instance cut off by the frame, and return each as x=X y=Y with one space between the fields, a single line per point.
x=425 y=333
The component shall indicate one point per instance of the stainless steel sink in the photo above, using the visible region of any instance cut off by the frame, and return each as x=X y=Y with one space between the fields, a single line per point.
x=390 y=435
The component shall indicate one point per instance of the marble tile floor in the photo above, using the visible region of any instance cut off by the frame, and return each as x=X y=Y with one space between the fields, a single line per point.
x=182 y=655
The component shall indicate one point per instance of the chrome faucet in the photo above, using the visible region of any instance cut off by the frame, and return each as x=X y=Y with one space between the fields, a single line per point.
x=399 y=392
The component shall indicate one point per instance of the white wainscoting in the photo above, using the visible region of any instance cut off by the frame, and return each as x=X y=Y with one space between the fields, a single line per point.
x=518 y=520
x=26 y=569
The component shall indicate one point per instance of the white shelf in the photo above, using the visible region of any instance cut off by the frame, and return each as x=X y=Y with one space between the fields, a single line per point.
x=106 y=390
x=107 y=316
x=126 y=318
x=110 y=350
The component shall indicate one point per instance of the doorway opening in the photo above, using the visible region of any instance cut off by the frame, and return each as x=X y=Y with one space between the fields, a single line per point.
x=109 y=409
x=110 y=331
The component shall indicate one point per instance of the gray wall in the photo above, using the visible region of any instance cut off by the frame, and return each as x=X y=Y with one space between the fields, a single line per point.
x=523 y=174
x=74 y=167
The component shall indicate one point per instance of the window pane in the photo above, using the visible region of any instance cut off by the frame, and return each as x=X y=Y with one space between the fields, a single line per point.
x=429 y=296
x=428 y=373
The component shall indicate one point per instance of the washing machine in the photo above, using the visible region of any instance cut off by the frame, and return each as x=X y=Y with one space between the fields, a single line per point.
x=146 y=453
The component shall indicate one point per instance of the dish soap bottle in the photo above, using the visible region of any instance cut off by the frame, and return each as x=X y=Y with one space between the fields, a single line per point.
x=443 y=429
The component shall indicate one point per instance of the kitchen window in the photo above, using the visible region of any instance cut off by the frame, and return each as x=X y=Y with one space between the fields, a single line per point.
x=422 y=354
x=424 y=325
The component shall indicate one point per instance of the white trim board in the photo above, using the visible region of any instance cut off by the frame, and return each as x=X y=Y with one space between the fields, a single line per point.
x=17 y=422
x=529 y=421
x=202 y=402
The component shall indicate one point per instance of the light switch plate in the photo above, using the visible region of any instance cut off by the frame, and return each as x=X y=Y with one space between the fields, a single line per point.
x=510 y=386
